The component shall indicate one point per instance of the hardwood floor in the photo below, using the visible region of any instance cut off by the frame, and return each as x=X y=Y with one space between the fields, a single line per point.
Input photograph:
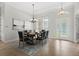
x=6 y=50
x=51 y=48
x=59 y=48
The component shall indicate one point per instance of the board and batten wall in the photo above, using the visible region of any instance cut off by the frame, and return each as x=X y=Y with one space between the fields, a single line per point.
x=1 y=19
x=76 y=22
x=0 y=22
x=9 y=12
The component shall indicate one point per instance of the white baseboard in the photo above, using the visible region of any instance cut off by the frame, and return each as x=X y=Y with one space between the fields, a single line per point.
x=7 y=41
x=62 y=39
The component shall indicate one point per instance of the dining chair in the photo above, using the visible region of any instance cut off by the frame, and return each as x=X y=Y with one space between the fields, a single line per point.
x=41 y=36
x=46 y=34
x=21 y=38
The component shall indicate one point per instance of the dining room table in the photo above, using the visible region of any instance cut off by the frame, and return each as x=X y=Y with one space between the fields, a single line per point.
x=32 y=35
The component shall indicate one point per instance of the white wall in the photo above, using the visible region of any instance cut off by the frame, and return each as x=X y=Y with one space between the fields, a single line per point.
x=9 y=13
x=76 y=21
x=0 y=22
x=1 y=19
x=53 y=19
x=51 y=22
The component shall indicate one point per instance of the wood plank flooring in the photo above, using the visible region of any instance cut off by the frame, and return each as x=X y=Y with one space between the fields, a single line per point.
x=6 y=50
x=59 y=48
x=51 y=48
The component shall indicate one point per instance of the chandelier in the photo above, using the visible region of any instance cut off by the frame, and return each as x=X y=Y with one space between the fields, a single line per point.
x=33 y=18
x=61 y=11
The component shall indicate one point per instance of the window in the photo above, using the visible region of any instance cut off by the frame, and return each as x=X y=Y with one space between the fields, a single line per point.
x=63 y=27
x=28 y=25
x=37 y=25
x=45 y=24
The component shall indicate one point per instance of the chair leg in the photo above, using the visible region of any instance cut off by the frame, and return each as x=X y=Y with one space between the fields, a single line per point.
x=42 y=43
x=19 y=43
x=23 y=44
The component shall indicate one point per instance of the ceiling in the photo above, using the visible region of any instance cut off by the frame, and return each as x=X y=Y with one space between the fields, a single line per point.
x=40 y=7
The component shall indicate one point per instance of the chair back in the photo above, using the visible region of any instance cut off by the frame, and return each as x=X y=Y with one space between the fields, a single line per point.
x=47 y=32
x=25 y=30
x=20 y=33
x=43 y=34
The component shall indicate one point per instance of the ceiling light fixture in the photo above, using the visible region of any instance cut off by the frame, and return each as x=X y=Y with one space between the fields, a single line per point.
x=33 y=18
x=61 y=11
